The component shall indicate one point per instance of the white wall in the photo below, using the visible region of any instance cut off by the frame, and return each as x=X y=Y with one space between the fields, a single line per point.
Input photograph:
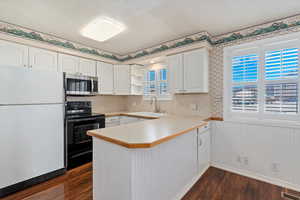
x=268 y=153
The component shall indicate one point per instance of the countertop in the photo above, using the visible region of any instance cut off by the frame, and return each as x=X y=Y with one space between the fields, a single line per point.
x=130 y=114
x=149 y=133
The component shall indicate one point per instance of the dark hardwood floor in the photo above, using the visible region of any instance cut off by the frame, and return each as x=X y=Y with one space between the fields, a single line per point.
x=215 y=184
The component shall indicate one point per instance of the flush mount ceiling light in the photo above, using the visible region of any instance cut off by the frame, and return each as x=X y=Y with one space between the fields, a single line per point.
x=102 y=29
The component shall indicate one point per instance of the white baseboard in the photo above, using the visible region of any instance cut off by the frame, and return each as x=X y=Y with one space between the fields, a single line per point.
x=188 y=186
x=260 y=177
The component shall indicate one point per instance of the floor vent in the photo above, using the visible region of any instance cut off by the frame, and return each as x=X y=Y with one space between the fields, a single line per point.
x=288 y=196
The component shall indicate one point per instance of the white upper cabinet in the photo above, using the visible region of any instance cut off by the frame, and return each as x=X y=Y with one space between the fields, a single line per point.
x=105 y=73
x=41 y=59
x=196 y=71
x=122 y=80
x=189 y=71
x=175 y=65
x=137 y=80
x=87 y=67
x=12 y=54
x=68 y=64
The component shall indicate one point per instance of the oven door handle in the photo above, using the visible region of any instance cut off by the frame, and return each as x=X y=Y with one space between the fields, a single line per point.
x=85 y=119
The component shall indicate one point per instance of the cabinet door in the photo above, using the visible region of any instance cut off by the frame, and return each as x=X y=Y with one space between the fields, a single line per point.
x=203 y=149
x=122 y=79
x=12 y=54
x=87 y=67
x=176 y=73
x=68 y=64
x=41 y=59
x=196 y=71
x=105 y=73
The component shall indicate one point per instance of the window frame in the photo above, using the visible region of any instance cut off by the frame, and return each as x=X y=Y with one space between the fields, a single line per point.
x=158 y=80
x=260 y=47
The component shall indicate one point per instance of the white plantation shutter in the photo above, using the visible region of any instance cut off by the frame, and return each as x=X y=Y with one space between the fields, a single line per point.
x=262 y=79
x=244 y=98
x=281 y=81
x=162 y=82
x=282 y=98
x=244 y=70
x=282 y=64
x=150 y=83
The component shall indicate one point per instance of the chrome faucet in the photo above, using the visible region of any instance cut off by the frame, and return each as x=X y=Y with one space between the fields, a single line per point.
x=155 y=103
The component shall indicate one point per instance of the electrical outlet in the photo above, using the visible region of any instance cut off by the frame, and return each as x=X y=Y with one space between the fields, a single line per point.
x=246 y=161
x=193 y=107
x=239 y=159
x=275 y=167
x=198 y=107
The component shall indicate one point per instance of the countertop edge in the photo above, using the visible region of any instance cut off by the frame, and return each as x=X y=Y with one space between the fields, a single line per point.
x=129 y=115
x=149 y=117
x=145 y=145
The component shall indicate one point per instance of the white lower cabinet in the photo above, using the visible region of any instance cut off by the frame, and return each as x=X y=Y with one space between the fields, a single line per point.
x=203 y=147
x=164 y=172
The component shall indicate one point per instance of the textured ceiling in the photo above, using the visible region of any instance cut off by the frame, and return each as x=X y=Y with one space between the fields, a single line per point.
x=148 y=22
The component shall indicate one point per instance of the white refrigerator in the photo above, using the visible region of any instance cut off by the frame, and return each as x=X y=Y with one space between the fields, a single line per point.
x=31 y=125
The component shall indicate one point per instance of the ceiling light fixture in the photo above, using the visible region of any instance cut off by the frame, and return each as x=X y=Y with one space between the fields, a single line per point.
x=102 y=29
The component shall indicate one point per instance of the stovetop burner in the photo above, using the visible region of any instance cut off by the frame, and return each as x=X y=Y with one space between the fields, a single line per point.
x=80 y=109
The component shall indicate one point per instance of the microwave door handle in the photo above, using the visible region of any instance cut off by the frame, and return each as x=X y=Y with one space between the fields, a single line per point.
x=92 y=89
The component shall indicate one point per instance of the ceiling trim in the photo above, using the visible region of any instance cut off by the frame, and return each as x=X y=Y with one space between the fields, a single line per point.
x=287 y=23
x=53 y=40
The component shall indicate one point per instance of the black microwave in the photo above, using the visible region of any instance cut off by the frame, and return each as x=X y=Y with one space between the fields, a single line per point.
x=77 y=85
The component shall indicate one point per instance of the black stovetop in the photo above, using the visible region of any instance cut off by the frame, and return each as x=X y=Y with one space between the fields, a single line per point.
x=80 y=109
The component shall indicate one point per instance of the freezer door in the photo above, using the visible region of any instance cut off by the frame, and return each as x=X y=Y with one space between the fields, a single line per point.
x=26 y=86
x=32 y=141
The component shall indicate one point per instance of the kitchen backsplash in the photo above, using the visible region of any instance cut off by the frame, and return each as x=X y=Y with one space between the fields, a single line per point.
x=188 y=104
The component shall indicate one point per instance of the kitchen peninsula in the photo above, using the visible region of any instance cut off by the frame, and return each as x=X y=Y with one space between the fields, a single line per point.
x=152 y=159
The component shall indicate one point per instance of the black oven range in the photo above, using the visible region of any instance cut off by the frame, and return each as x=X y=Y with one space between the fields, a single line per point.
x=80 y=119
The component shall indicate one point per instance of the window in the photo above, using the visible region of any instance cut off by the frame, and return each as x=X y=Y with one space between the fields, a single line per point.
x=156 y=84
x=281 y=78
x=150 y=83
x=244 y=83
x=263 y=82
